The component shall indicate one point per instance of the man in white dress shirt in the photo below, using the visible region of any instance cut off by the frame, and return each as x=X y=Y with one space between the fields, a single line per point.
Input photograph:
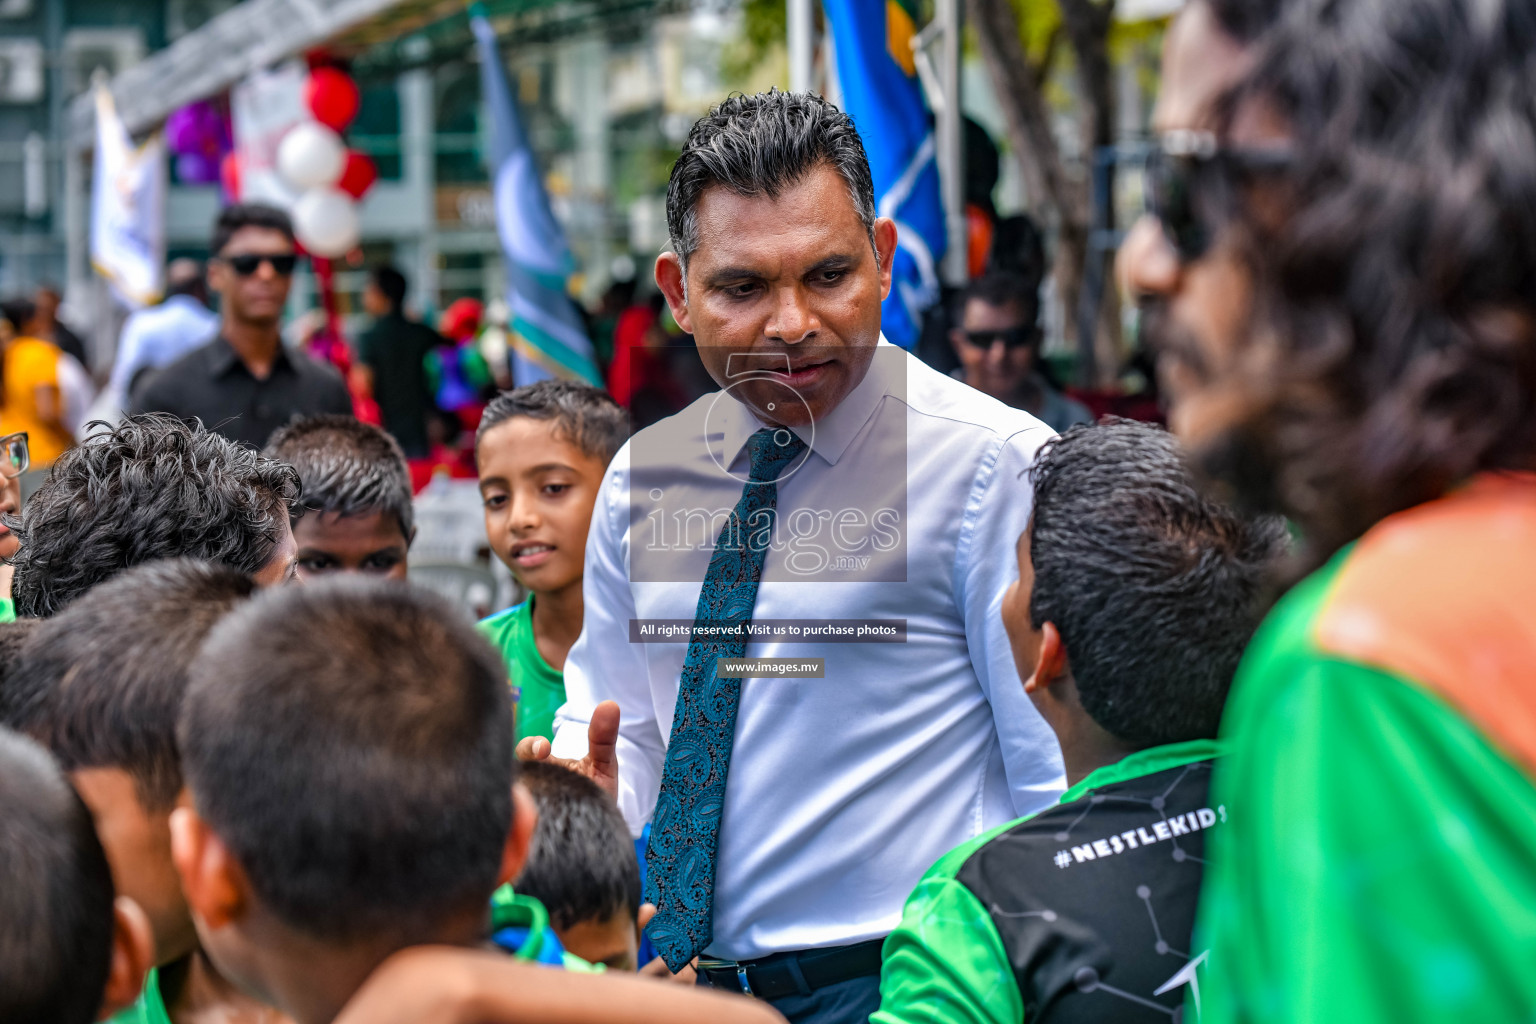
x=892 y=510
x=159 y=335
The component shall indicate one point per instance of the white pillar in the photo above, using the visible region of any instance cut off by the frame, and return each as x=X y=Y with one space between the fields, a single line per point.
x=801 y=43
x=950 y=139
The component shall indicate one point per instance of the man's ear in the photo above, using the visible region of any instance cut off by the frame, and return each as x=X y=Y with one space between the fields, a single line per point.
x=133 y=954
x=411 y=539
x=525 y=818
x=670 y=279
x=212 y=880
x=1051 y=662
x=885 y=248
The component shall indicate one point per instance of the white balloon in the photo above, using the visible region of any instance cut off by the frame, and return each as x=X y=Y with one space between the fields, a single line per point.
x=311 y=155
x=325 y=221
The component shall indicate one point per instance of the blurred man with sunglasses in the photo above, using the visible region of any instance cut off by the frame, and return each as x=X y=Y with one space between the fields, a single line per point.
x=998 y=344
x=244 y=383
x=1339 y=276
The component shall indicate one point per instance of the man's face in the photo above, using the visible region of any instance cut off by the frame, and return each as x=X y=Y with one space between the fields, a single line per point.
x=784 y=284
x=138 y=847
x=1023 y=637
x=374 y=302
x=256 y=298
x=538 y=490
x=47 y=303
x=283 y=565
x=371 y=544
x=996 y=347
x=1195 y=313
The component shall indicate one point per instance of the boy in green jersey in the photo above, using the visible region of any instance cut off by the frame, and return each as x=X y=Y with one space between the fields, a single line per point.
x=355 y=512
x=541 y=452
x=70 y=950
x=1134 y=600
x=1341 y=274
x=100 y=684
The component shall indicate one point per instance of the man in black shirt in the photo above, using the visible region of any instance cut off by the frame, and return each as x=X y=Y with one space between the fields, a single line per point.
x=245 y=384
x=394 y=350
x=1135 y=599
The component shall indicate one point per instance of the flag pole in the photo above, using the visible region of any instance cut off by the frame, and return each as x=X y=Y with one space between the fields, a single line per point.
x=949 y=121
x=800 y=42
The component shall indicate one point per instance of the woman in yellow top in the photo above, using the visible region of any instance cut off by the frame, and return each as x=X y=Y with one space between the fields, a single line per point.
x=29 y=385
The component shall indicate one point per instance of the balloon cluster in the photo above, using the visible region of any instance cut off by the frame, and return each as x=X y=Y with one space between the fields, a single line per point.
x=199 y=135
x=315 y=161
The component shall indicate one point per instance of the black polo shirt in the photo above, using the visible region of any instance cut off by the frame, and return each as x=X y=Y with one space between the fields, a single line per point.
x=212 y=384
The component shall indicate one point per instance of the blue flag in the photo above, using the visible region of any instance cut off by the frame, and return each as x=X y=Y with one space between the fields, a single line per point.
x=548 y=338
x=882 y=94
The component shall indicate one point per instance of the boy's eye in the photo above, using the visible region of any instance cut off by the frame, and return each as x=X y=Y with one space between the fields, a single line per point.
x=553 y=489
x=495 y=500
x=380 y=563
x=316 y=563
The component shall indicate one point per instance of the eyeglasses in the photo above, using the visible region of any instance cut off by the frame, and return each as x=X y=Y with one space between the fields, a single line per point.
x=1013 y=337
x=1186 y=171
x=247 y=264
x=14 y=456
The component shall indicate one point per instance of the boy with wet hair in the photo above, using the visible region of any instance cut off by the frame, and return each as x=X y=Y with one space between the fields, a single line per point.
x=151 y=488
x=70 y=949
x=1135 y=598
x=101 y=685
x=583 y=867
x=541 y=451
x=355 y=514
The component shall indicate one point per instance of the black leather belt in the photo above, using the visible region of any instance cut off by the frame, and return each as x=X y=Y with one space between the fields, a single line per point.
x=796 y=973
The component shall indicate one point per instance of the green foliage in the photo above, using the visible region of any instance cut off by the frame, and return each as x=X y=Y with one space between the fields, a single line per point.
x=764 y=24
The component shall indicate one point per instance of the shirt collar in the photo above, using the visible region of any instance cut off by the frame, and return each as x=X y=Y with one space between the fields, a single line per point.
x=831 y=435
x=222 y=357
x=1146 y=762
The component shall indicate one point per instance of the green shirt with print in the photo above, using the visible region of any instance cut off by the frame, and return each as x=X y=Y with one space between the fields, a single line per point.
x=994 y=927
x=537 y=689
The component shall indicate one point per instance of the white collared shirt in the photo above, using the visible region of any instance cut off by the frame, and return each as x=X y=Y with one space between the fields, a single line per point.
x=842 y=790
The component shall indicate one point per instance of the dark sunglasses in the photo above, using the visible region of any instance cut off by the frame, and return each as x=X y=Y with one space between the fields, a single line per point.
x=1188 y=172
x=246 y=264
x=1013 y=337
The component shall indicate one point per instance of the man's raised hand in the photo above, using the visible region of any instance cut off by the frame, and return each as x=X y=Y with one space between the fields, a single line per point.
x=601 y=764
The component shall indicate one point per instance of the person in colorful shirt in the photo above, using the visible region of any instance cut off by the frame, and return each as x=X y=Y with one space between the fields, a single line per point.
x=1135 y=598
x=541 y=452
x=1341 y=277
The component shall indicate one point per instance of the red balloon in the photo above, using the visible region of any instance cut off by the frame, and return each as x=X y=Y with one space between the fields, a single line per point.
x=332 y=97
x=359 y=174
x=229 y=175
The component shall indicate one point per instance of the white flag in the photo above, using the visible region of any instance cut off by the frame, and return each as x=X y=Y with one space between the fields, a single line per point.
x=127 y=208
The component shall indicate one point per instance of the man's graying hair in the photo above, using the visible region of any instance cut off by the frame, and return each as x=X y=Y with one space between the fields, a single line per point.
x=759 y=146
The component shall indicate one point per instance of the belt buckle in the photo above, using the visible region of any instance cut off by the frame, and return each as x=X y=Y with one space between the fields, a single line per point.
x=706 y=964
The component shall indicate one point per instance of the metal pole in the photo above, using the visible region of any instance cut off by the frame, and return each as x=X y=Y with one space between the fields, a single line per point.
x=801 y=43
x=948 y=125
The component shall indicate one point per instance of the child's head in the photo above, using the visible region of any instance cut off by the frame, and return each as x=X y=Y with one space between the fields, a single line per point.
x=151 y=488
x=13 y=636
x=356 y=505
x=541 y=451
x=347 y=746
x=69 y=951
x=1136 y=593
x=101 y=685
x=582 y=866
